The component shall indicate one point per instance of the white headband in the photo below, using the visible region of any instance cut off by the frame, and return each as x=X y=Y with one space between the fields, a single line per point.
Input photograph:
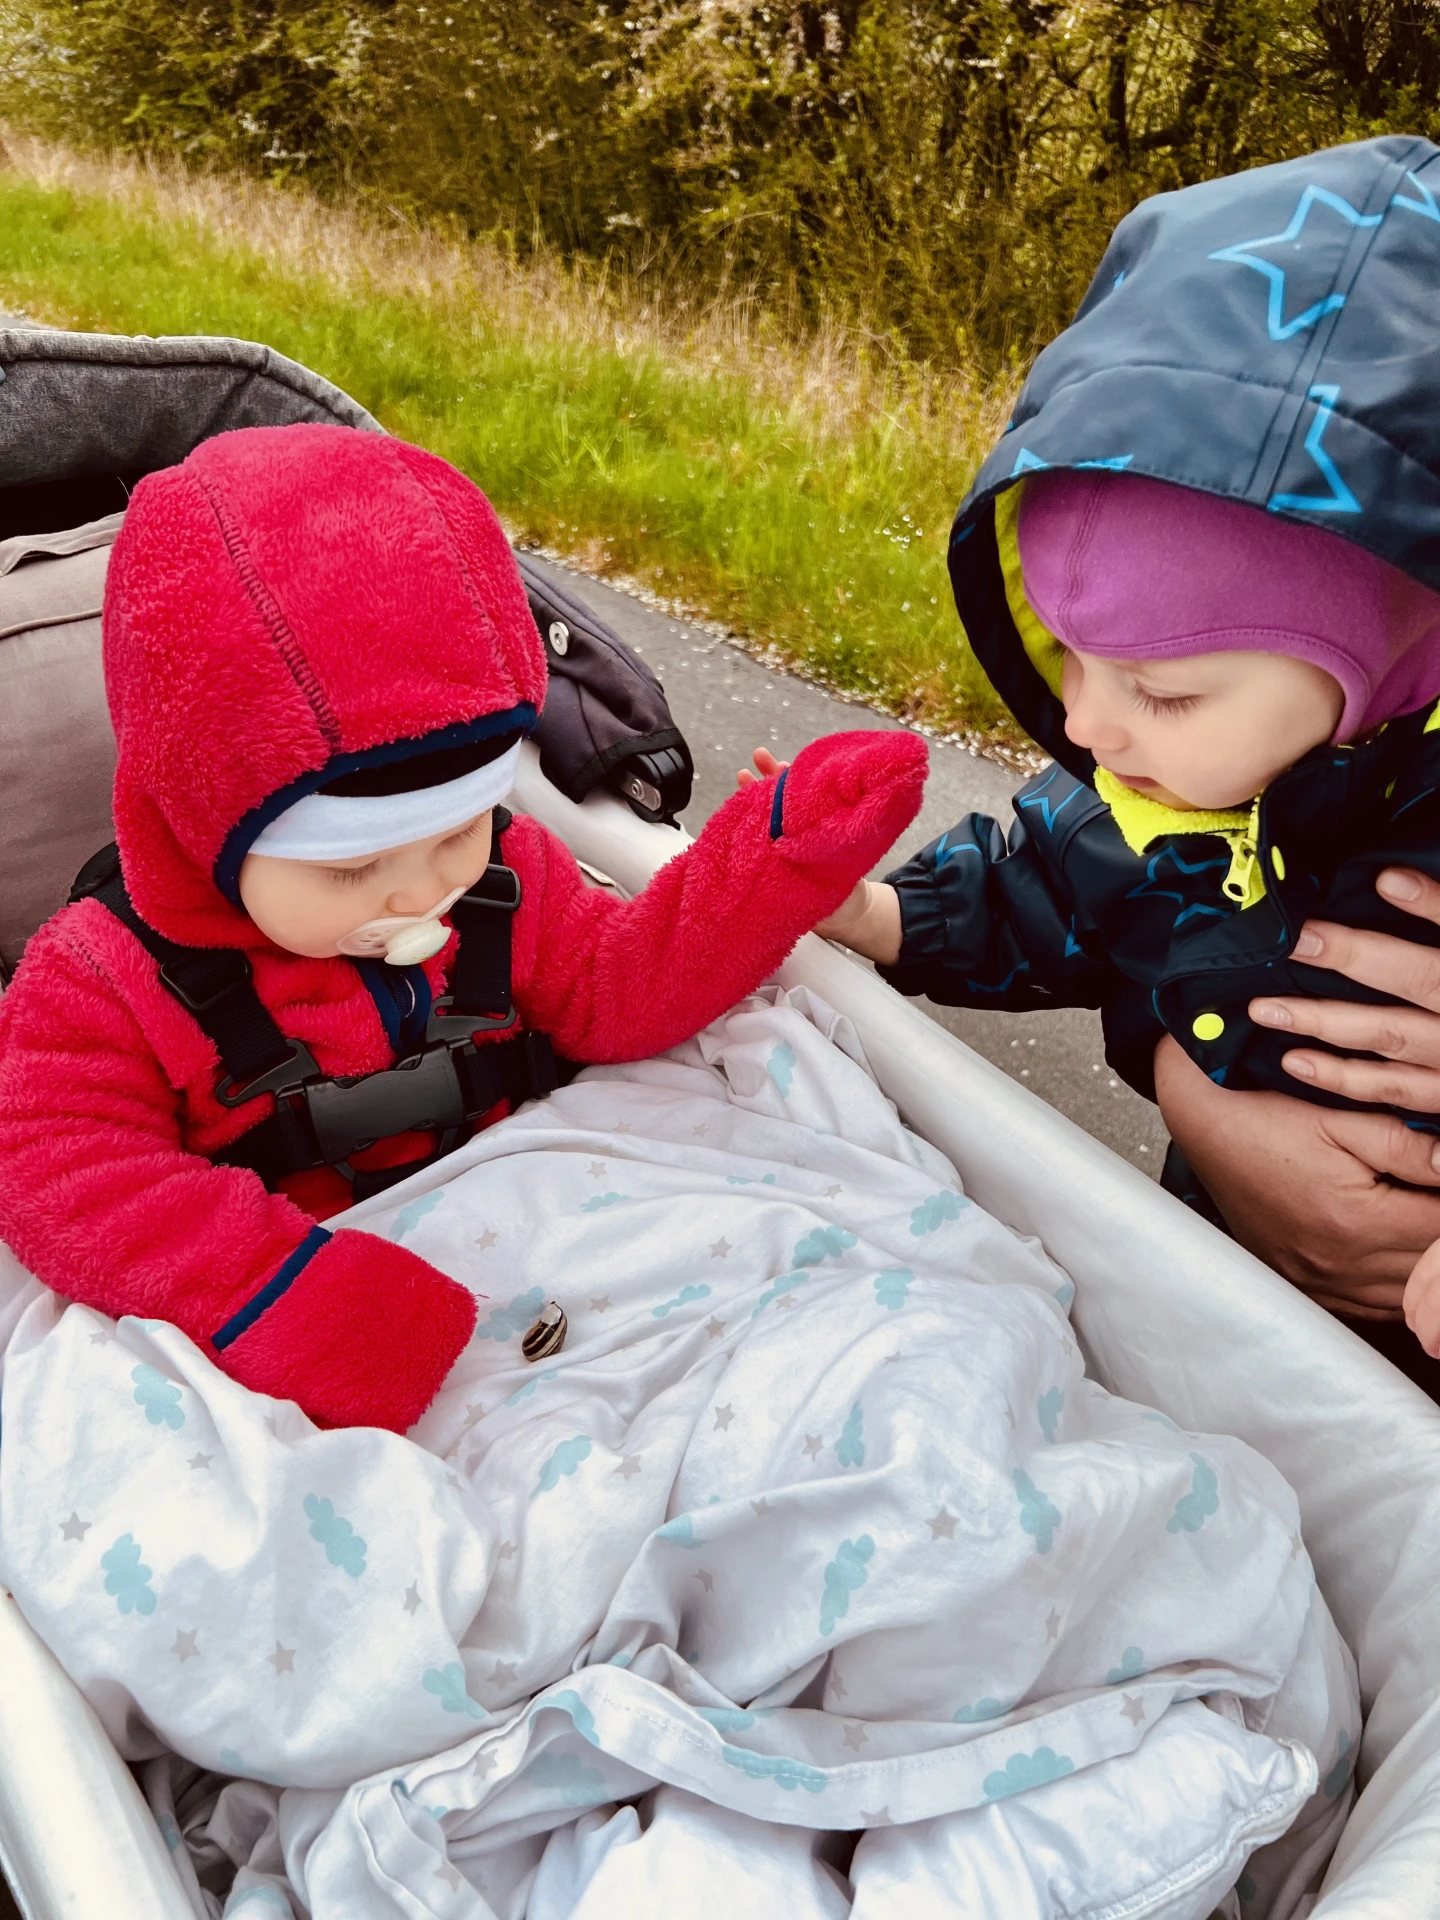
x=334 y=826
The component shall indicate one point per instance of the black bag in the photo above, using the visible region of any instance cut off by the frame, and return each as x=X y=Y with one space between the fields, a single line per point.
x=605 y=720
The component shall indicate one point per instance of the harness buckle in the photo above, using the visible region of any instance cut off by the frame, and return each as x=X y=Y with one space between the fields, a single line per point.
x=421 y=1094
x=287 y=1078
x=455 y=1029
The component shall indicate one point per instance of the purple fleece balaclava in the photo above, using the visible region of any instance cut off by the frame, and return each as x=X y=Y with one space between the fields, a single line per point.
x=1136 y=569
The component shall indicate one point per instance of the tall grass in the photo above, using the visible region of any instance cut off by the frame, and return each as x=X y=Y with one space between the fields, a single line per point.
x=943 y=172
x=797 y=489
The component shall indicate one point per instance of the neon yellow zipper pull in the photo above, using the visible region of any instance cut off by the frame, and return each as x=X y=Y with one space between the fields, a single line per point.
x=1245 y=882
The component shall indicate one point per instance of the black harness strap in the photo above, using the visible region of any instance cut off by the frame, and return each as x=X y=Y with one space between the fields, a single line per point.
x=214 y=985
x=319 y=1121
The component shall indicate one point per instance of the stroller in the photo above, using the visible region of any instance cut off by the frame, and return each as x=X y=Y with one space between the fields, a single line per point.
x=82 y=418
x=1168 y=1310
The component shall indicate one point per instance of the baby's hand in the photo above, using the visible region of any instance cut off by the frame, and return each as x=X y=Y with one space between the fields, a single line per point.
x=767 y=765
x=868 y=919
x=1422 y=1300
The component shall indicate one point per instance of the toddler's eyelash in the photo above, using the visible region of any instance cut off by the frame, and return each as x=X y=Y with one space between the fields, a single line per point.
x=352 y=876
x=469 y=833
x=1160 y=703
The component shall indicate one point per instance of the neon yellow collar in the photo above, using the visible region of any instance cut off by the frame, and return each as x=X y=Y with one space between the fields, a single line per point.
x=1142 y=822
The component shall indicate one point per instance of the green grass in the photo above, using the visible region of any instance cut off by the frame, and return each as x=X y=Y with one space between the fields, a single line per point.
x=818 y=531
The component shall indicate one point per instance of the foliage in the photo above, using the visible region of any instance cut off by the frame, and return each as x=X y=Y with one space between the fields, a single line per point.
x=813 y=522
x=940 y=172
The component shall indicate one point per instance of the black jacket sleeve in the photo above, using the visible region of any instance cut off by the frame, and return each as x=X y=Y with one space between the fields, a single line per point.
x=991 y=923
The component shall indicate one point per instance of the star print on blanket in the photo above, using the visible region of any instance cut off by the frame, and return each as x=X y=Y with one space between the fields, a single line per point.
x=815 y=1522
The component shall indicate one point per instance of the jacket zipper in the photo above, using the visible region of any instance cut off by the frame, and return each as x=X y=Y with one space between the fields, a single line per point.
x=1245 y=882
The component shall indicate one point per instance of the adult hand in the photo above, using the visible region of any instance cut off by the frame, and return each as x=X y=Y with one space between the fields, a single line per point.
x=1307 y=1189
x=1406 y=1037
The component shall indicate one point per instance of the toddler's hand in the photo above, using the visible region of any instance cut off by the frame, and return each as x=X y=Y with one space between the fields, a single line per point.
x=868 y=922
x=766 y=763
x=1422 y=1300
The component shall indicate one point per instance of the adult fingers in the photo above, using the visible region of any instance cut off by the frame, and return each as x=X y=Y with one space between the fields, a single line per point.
x=1399 y=967
x=1375 y=1082
x=1422 y=1301
x=1372 y=1300
x=1384 y=1143
x=1412 y=892
x=1399 y=1033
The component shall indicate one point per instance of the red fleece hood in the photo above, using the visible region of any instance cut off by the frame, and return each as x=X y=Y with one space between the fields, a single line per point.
x=289 y=604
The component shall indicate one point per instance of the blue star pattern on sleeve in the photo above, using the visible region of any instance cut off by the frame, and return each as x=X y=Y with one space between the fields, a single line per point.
x=1048 y=1410
x=343 y=1546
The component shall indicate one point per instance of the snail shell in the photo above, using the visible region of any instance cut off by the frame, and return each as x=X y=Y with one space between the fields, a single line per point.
x=547 y=1336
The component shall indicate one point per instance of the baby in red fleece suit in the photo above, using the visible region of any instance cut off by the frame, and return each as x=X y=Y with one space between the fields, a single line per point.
x=320 y=661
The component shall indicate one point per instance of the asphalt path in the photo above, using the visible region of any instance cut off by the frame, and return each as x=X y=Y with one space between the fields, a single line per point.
x=727 y=703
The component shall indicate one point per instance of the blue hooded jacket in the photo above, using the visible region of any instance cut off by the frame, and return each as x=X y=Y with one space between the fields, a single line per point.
x=1272 y=338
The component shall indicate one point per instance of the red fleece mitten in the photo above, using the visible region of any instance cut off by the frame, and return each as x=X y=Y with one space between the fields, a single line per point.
x=844 y=801
x=362 y=1337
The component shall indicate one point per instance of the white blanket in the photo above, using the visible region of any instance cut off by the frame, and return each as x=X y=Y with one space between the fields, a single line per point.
x=814 y=1526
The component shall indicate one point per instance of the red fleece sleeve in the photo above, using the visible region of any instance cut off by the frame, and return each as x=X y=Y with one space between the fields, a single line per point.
x=100 y=1200
x=618 y=980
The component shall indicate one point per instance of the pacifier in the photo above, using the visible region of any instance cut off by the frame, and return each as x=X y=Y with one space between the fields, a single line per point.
x=401 y=939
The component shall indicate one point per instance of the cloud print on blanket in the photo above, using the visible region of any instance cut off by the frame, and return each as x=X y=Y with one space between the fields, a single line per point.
x=343 y=1546
x=1039 y=1516
x=869 y=1493
x=447 y=1683
x=1203 y=1499
x=504 y=1323
x=846 y=1574
x=159 y=1397
x=126 y=1578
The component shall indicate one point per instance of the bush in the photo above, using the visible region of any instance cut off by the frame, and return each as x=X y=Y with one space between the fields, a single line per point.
x=939 y=173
